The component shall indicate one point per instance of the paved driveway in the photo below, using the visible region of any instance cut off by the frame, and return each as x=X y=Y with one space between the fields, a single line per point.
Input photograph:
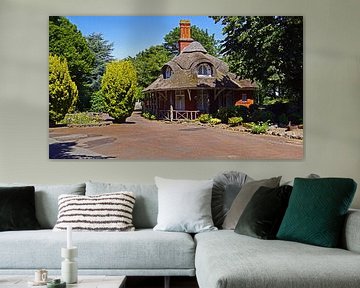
x=143 y=139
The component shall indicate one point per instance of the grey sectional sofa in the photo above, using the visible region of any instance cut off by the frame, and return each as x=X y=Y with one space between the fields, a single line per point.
x=219 y=259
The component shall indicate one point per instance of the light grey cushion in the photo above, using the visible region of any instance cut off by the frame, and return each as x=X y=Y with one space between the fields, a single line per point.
x=351 y=234
x=105 y=212
x=184 y=205
x=46 y=200
x=137 y=250
x=146 y=204
x=225 y=259
x=226 y=187
x=243 y=198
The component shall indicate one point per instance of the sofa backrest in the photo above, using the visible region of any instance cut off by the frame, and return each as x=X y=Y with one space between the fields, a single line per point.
x=46 y=200
x=146 y=203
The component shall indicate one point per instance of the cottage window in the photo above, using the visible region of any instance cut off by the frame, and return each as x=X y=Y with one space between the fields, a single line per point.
x=204 y=69
x=168 y=72
x=244 y=97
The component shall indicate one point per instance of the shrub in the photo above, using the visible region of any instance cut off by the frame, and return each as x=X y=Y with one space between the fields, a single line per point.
x=80 y=119
x=259 y=128
x=283 y=119
x=224 y=113
x=148 y=115
x=63 y=92
x=214 y=121
x=262 y=115
x=235 y=121
x=119 y=89
x=204 y=118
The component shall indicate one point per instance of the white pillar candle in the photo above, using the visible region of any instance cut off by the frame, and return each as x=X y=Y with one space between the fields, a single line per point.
x=69 y=237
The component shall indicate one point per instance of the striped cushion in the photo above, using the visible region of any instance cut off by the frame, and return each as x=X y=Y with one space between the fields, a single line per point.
x=105 y=212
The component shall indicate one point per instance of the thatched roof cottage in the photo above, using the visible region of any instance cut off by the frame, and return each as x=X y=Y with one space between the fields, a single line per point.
x=195 y=82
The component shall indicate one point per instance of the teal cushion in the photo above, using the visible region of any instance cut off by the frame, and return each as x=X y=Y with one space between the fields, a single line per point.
x=17 y=208
x=263 y=214
x=316 y=211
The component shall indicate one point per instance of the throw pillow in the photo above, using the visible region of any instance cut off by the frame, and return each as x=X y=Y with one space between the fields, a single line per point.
x=316 y=211
x=226 y=186
x=146 y=205
x=106 y=212
x=17 y=208
x=243 y=198
x=184 y=205
x=263 y=215
x=46 y=200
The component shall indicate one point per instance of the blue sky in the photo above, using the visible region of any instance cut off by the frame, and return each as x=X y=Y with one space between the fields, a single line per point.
x=132 y=34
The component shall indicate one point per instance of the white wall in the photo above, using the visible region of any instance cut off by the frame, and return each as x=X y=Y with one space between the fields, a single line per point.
x=331 y=73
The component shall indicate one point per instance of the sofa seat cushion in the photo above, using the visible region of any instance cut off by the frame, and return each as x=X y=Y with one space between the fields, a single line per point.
x=138 y=250
x=226 y=259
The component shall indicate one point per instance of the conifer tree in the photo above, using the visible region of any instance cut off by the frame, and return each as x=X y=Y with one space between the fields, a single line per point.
x=119 y=89
x=63 y=92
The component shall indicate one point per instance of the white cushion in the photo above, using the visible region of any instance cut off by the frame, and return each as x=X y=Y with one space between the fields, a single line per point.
x=184 y=205
x=105 y=212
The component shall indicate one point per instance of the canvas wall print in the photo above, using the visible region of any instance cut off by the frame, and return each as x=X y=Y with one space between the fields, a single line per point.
x=176 y=87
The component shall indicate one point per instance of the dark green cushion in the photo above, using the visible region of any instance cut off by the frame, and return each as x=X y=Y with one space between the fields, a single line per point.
x=264 y=212
x=316 y=211
x=17 y=208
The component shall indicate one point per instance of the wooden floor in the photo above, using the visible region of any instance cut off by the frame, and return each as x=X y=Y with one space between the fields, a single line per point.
x=158 y=282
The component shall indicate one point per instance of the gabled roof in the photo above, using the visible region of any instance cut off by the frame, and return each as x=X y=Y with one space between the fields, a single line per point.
x=184 y=72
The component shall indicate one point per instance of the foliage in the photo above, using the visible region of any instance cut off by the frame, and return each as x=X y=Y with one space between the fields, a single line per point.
x=224 y=113
x=235 y=121
x=207 y=41
x=266 y=49
x=66 y=40
x=81 y=118
x=280 y=112
x=148 y=115
x=261 y=115
x=148 y=64
x=214 y=121
x=63 y=92
x=259 y=128
x=102 y=50
x=204 y=118
x=118 y=87
x=283 y=119
x=97 y=102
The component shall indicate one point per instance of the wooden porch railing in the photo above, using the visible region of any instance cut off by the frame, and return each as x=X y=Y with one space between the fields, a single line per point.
x=178 y=115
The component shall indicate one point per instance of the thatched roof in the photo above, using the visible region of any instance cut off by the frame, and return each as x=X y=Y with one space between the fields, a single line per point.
x=185 y=72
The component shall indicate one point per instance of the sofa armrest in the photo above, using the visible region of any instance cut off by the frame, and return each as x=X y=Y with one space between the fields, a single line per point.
x=351 y=234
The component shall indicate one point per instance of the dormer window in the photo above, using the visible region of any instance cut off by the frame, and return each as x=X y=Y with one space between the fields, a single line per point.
x=168 y=72
x=204 y=69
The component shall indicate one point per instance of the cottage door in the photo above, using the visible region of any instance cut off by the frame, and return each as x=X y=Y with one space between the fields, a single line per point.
x=179 y=100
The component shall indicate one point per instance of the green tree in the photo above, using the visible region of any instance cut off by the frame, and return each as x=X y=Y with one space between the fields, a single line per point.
x=148 y=64
x=207 y=41
x=102 y=50
x=63 y=92
x=67 y=41
x=118 y=87
x=266 y=49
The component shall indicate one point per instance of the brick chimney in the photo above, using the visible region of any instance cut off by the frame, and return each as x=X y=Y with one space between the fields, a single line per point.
x=185 y=34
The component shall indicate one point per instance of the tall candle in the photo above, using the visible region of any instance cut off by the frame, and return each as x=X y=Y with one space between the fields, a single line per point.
x=69 y=237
